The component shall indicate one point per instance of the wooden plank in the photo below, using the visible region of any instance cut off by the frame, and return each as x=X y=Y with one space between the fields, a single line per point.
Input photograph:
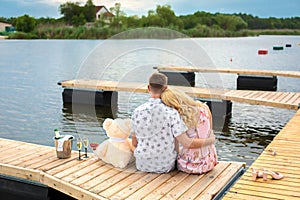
x=62 y=168
x=43 y=162
x=130 y=189
x=7 y=146
x=277 y=96
x=57 y=163
x=264 y=194
x=153 y=185
x=266 y=185
x=180 y=189
x=86 y=170
x=220 y=181
x=203 y=183
x=19 y=172
x=69 y=189
x=295 y=99
x=294 y=74
x=74 y=168
x=106 y=180
x=45 y=156
x=233 y=195
x=254 y=95
x=122 y=184
x=8 y=156
x=95 y=177
x=27 y=155
x=288 y=97
x=162 y=189
x=101 y=178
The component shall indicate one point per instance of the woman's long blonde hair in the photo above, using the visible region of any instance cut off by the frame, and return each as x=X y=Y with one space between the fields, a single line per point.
x=184 y=104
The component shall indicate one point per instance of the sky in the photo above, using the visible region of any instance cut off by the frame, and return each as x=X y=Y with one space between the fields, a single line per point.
x=260 y=8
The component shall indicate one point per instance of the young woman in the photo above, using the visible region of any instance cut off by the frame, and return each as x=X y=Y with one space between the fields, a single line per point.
x=197 y=117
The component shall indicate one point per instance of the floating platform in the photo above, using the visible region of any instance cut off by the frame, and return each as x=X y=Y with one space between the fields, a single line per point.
x=247 y=79
x=292 y=74
x=93 y=179
x=278 y=48
x=288 y=100
x=286 y=144
x=262 y=51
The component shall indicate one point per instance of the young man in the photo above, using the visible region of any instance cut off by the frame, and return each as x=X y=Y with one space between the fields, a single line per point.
x=154 y=129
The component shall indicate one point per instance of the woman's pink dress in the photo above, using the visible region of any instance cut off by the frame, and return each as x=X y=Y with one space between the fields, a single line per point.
x=198 y=161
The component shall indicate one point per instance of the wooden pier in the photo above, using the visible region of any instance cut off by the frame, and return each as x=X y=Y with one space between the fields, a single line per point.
x=93 y=179
x=292 y=74
x=286 y=160
x=288 y=100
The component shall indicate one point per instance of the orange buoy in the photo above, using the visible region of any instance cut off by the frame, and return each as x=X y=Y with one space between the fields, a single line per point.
x=262 y=51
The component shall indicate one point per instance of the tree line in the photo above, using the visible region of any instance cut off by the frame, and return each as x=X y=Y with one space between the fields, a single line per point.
x=78 y=22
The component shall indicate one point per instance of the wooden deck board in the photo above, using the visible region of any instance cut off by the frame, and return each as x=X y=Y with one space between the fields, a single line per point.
x=288 y=100
x=108 y=179
x=159 y=192
x=293 y=74
x=93 y=179
x=201 y=185
x=286 y=161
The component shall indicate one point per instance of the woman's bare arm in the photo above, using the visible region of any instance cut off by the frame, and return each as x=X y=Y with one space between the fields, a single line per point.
x=192 y=143
x=134 y=140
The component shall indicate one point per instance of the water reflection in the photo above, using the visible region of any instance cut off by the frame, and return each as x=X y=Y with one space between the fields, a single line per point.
x=243 y=142
x=86 y=120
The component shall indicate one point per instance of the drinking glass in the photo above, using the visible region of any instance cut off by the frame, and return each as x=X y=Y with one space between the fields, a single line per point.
x=85 y=144
x=79 y=146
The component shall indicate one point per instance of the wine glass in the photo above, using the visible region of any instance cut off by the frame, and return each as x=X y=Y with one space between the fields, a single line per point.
x=79 y=146
x=85 y=144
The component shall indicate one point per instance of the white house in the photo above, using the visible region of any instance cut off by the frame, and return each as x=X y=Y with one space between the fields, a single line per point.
x=103 y=13
x=5 y=26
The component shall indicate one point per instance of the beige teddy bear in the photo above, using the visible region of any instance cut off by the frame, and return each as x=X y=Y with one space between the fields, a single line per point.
x=117 y=150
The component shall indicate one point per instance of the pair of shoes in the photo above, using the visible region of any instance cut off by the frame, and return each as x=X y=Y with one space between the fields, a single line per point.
x=274 y=175
x=272 y=152
x=256 y=174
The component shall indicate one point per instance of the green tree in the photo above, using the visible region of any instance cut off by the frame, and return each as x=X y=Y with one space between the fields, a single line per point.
x=119 y=15
x=69 y=11
x=163 y=16
x=230 y=22
x=78 y=20
x=166 y=15
x=25 y=23
x=90 y=11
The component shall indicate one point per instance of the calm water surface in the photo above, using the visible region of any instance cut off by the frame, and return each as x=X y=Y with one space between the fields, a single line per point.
x=31 y=105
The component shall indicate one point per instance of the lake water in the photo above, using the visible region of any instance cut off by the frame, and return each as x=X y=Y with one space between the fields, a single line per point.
x=31 y=103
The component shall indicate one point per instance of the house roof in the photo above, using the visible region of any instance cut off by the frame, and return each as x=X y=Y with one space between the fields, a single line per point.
x=107 y=13
x=5 y=24
x=99 y=8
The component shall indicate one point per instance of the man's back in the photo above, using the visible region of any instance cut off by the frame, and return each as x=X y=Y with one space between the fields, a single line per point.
x=155 y=125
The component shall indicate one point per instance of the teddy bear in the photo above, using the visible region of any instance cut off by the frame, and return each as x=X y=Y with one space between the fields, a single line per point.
x=117 y=150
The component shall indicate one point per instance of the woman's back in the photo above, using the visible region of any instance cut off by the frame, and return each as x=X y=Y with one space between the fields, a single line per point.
x=203 y=159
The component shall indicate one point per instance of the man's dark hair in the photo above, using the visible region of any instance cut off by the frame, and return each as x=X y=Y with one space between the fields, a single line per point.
x=158 y=82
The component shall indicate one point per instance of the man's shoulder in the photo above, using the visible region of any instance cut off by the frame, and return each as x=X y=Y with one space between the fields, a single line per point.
x=149 y=106
x=141 y=107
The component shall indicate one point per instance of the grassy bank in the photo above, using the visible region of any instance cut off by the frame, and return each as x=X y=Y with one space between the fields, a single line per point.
x=85 y=32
